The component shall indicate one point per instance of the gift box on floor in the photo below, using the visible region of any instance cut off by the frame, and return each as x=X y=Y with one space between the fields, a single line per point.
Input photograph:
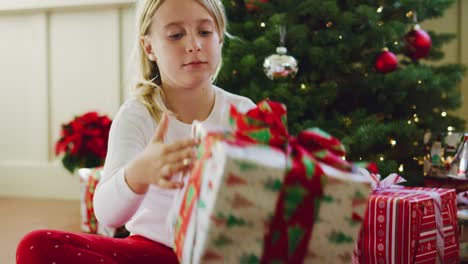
x=463 y=236
x=257 y=195
x=89 y=178
x=409 y=225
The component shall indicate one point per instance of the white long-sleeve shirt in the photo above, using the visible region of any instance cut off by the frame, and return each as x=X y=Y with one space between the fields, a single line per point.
x=115 y=204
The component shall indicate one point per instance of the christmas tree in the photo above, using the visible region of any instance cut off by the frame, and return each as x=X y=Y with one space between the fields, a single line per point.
x=379 y=103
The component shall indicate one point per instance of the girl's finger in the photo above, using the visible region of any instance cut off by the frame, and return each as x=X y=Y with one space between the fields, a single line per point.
x=180 y=166
x=181 y=155
x=166 y=171
x=176 y=146
x=161 y=129
x=167 y=184
x=169 y=169
x=188 y=169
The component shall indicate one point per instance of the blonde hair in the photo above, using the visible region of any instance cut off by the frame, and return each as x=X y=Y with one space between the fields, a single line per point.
x=148 y=85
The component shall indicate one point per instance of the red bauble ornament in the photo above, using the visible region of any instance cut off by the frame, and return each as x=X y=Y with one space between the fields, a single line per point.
x=418 y=43
x=386 y=62
x=252 y=5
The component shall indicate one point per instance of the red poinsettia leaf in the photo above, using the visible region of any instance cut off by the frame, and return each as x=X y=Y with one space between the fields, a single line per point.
x=66 y=131
x=60 y=147
x=104 y=121
x=95 y=146
x=103 y=153
x=77 y=142
x=76 y=126
x=92 y=132
x=89 y=117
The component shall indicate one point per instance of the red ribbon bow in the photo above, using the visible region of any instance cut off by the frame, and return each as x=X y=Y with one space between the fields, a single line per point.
x=291 y=227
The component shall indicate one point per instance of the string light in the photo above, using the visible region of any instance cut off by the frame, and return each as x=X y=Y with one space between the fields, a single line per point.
x=380 y=23
x=340 y=37
x=329 y=24
x=409 y=14
x=234 y=72
x=443 y=114
x=400 y=169
x=450 y=128
x=343 y=158
x=416 y=119
x=392 y=142
x=449 y=160
x=381 y=158
x=262 y=24
x=395 y=43
x=409 y=122
x=360 y=158
x=347 y=121
x=419 y=82
x=303 y=86
x=379 y=10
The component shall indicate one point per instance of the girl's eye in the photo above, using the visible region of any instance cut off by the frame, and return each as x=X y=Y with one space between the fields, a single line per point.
x=205 y=33
x=176 y=36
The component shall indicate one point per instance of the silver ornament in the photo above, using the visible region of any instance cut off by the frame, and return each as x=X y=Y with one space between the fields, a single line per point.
x=280 y=66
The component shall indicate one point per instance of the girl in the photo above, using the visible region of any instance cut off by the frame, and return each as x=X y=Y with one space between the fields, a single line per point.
x=149 y=142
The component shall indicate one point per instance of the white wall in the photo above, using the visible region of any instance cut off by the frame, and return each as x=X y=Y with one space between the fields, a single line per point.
x=456 y=51
x=463 y=52
x=58 y=59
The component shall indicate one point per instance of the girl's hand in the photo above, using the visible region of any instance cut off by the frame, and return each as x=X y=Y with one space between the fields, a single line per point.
x=159 y=162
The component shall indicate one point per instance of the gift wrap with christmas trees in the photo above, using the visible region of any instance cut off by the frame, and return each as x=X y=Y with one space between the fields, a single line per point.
x=89 y=179
x=258 y=195
x=408 y=225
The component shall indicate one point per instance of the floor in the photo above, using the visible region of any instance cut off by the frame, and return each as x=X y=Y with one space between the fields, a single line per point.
x=19 y=216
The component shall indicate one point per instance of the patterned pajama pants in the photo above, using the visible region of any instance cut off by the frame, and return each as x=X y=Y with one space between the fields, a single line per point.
x=58 y=247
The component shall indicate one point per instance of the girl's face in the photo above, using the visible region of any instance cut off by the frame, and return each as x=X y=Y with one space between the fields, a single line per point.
x=185 y=43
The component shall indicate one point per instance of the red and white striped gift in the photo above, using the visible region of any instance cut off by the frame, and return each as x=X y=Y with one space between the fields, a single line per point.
x=402 y=226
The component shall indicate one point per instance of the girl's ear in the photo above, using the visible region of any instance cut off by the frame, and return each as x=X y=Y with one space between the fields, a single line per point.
x=147 y=47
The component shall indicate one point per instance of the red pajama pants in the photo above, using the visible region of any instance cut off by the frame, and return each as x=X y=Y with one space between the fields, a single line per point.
x=58 y=247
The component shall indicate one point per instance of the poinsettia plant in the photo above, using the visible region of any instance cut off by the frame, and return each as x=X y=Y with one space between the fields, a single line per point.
x=83 y=141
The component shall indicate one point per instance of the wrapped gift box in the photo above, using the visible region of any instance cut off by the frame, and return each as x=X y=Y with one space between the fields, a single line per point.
x=409 y=225
x=247 y=202
x=462 y=215
x=89 y=178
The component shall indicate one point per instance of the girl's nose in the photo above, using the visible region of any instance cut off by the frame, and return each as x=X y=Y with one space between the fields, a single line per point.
x=193 y=44
x=191 y=50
